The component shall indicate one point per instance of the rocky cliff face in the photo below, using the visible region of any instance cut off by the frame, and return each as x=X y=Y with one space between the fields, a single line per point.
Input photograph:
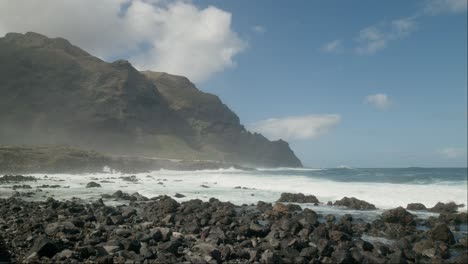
x=55 y=93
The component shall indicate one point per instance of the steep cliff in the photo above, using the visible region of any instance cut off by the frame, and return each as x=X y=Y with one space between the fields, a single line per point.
x=55 y=93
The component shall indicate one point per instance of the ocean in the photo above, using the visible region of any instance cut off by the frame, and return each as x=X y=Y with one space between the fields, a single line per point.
x=385 y=187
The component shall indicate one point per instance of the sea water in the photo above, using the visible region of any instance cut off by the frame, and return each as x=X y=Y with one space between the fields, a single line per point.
x=386 y=188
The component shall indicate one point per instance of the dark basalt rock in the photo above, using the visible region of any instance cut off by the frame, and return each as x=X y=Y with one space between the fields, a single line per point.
x=132 y=178
x=454 y=218
x=441 y=232
x=23 y=186
x=297 y=198
x=16 y=178
x=43 y=247
x=178 y=195
x=354 y=203
x=446 y=207
x=416 y=207
x=262 y=206
x=398 y=216
x=93 y=185
x=162 y=230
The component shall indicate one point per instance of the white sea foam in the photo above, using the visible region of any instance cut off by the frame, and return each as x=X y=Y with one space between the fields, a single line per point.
x=261 y=186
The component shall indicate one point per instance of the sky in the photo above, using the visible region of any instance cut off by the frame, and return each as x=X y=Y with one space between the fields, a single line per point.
x=356 y=83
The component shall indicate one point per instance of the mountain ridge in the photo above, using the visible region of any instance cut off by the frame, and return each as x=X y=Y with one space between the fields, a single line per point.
x=56 y=93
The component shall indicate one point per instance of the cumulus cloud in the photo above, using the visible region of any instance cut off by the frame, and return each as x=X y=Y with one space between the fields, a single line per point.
x=380 y=101
x=435 y=7
x=171 y=36
x=374 y=38
x=259 y=29
x=296 y=127
x=452 y=153
x=333 y=46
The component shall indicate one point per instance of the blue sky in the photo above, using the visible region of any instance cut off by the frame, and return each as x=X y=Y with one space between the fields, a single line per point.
x=285 y=72
x=359 y=83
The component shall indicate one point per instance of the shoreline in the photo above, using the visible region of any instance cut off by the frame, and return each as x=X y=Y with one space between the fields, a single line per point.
x=162 y=230
x=66 y=159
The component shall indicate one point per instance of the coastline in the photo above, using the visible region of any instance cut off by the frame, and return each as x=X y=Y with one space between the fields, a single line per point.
x=66 y=159
x=162 y=230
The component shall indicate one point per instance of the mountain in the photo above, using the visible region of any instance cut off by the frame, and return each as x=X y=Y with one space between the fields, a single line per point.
x=53 y=92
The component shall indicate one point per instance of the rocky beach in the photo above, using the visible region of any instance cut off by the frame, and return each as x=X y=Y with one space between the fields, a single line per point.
x=122 y=227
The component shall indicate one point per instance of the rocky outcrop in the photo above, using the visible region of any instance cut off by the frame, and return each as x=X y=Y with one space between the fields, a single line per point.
x=398 y=216
x=354 y=203
x=450 y=207
x=416 y=207
x=56 y=93
x=297 y=198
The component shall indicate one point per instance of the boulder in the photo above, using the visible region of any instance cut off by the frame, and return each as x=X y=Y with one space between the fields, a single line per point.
x=354 y=203
x=398 y=216
x=446 y=207
x=297 y=198
x=208 y=251
x=93 y=185
x=441 y=232
x=416 y=207
x=44 y=247
x=178 y=195
x=270 y=257
x=262 y=206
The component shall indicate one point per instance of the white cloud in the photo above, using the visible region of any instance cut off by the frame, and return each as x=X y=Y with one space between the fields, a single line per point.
x=259 y=29
x=435 y=7
x=452 y=153
x=176 y=36
x=333 y=46
x=296 y=127
x=380 y=101
x=374 y=38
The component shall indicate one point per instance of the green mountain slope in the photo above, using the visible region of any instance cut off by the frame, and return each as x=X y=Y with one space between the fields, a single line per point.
x=55 y=93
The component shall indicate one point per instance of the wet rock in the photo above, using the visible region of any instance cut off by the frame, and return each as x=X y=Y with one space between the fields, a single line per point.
x=178 y=195
x=454 y=218
x=93 y=185
x=138 y=197
x=15 y=178
x=297 y=198
x=204 y=186
x=330 y=218
x=416 y=207
x=132 y=178
x=398 y=216
x=339 y=236
x=46 y=186
x=23 y=186
x=445 y=207
x=354 y=203
x=262 y=206
x=280 y=208
x=441 y=232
